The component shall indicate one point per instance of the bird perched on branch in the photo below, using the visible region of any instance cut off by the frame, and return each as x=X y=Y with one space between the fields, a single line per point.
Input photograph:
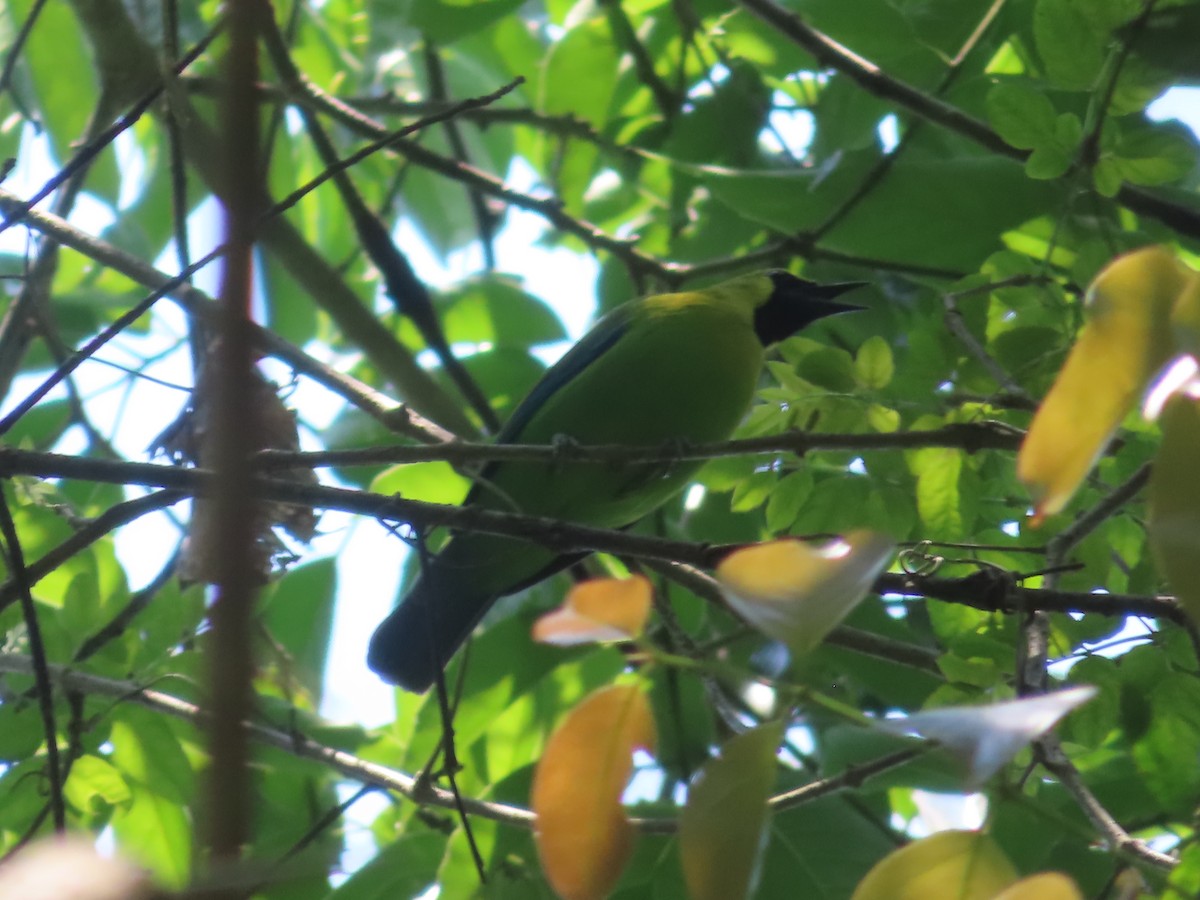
x=679 y=367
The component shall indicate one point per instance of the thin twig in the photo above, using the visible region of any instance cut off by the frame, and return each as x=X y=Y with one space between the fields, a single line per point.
x=37 y=658
x=1051 y=755
x=970 y=437
x=1090 y=519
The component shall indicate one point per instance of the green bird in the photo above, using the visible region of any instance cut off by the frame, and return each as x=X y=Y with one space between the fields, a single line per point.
x=679 y=367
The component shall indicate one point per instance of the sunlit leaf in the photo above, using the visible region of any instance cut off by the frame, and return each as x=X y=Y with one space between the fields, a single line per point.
x=1126 y=340
x=949 y=865
x=93 y=781
x=432 y=482
x=984 y=738
x=157 y=833
x=603 y=609
x=583 y=837
x=874 y=364
x=796 y=593
x=723 y=827
x=1043 y=886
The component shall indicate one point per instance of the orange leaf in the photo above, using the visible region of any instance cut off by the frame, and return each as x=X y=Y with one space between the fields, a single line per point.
x=723 y=827
x=1126 y=341
x=582 y=835
x=603 y=609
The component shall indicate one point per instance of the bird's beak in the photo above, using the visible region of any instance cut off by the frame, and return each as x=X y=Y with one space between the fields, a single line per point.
x=822 y=298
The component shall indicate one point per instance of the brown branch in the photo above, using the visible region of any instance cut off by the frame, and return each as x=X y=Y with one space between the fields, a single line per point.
x=1051 y=755
x=969 y=437
x=990 y=592
x=228 y=442
x=983 y=590
x=1092 y=518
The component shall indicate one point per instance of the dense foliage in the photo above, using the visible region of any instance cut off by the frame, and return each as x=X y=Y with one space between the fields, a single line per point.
x=978 y=162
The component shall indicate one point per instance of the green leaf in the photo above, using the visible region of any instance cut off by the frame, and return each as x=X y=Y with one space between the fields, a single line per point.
x=752 y=492
x=1154 y=155
x=939 y=501
x=1175 y=503
x=580 y=74
x=883 y=419
x=430 y=482
x=722 y=829
x=491 y=310
x=445 y=21
x=821 y=849
x=1166 y=38
x=1073 y=37
x=1106 y=177
x=909 y=216
x=1023 y=115
x=404 y=867
x=874 y=364
x=829 y=368
x=299 y=615
x=1046 y=163
x=1185 y=878
x=156 y=832
x=147 y=753
x=1172 y=738
x=785 y=500
x=94 y=783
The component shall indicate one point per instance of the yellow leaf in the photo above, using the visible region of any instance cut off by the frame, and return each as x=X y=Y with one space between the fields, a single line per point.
x=582 y=835
x=1043 y=886
x=1126 y=340
x=1185 y=318
x=949 y=865
x=603 y=609
x=796 y=593
x=723 y=827
x=1175 y=502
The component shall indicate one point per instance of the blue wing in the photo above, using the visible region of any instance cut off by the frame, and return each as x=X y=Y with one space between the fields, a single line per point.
x=598 y=341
